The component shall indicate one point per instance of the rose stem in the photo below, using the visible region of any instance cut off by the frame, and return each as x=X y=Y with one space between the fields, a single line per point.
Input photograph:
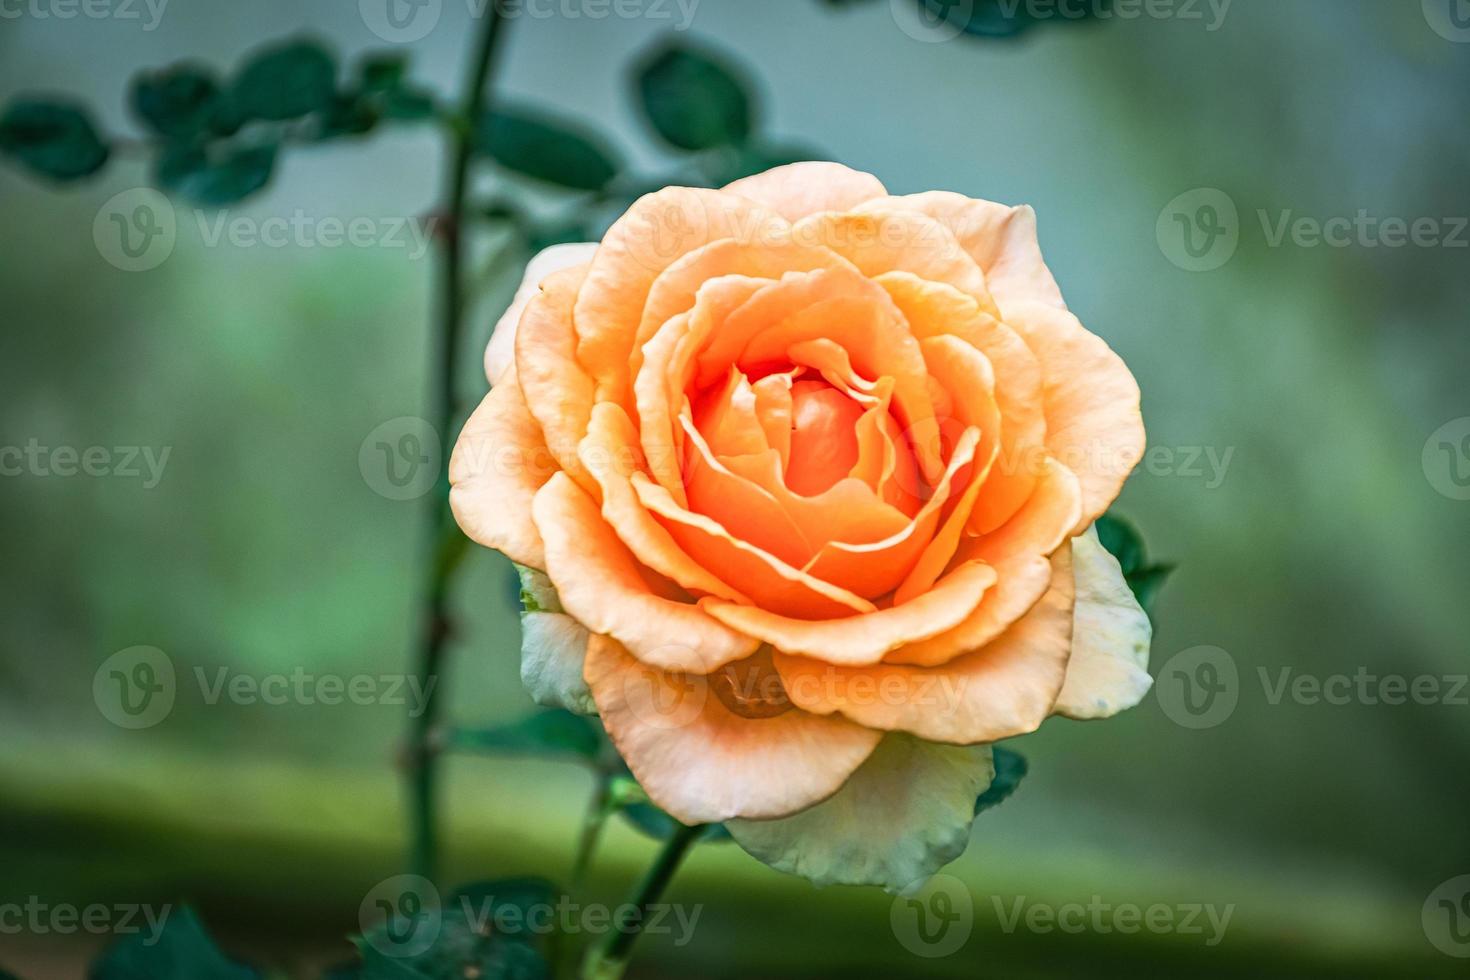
x=609 y=958
x=449 y=543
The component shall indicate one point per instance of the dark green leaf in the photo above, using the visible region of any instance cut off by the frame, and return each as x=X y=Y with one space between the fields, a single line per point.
x=408 y=105
x=1004 y=18
x=1125 y=543
x=54 y=139
x=693 y=101
x=348 y=115
x=286 y=82
x=1010 y=769
x=378 y=966
x=1122 y=539
x=556 y=732
x=177 y=102
x=544 y=148
x=519 y=909
x=183 y=951
x=216 y=178
x=7 y=975
x=650 y=821
x=464 y=944
x=383 y=72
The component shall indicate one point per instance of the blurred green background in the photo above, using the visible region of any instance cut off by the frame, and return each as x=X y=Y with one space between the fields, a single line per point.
x=1324 y=546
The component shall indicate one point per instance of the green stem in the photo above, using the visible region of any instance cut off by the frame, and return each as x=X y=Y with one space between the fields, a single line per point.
x=449 y=543
x=609 y=958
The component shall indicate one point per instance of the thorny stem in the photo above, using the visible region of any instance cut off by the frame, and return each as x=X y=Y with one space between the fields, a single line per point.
x=449 y=543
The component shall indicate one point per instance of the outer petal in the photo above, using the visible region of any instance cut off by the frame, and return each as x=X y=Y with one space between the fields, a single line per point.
x=553 y=648
x=1108 y=672
x=558 y=391
x=1003 y=689
x=902 y=816
x=702 y=762
x=1001 y=239
x=799 y=189
x=499 y=463
x=500 y=351
x=1094 y=425
x=599 y=583
x=653 y=234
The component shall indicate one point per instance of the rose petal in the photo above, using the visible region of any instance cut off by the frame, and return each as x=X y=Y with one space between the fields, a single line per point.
x=1108 y=672
x=702 y=762
x=799 y=189
x=1001 y=239
x=902 y=816
x=500 y=352
x=553 y=648
x=1005 y=688
x=557 y=390
x=770 y=582
x=599 y=583
x=863 y=640
x=654 y=233
x=1094 y=425
x=498 y=464
x=610 y=452
x=1017 y=552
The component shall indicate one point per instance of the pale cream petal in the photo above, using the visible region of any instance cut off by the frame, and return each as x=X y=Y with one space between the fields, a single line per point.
x=500 y=352
x=1108 y=672
x=799 y=189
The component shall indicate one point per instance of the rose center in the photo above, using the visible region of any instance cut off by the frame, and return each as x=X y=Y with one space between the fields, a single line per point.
x=824 y=443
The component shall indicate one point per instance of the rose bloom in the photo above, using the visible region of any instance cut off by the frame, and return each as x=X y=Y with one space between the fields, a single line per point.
x=801 y=478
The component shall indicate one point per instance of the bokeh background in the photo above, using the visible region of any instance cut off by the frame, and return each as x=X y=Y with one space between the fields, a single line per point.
x=1328 y=543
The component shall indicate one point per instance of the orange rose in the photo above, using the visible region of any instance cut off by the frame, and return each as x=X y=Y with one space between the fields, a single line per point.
x=801 y=478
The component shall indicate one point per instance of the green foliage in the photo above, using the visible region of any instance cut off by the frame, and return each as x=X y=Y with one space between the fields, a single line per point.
x=55 y=139
x=555 y=732
x=180 y=102
x=287 y=81
x=693 y=100
x=530 y=143
x=491 y=930
x=1124 y=541
x=184 y=951
x=1010 y=769
x=650 y=821
x=216 y=176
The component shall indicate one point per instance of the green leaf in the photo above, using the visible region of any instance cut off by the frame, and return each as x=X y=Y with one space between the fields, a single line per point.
x=348 y=115
x=216 y=178
x=408 y=105
x=178 y=102
x=183 y=951
x=555 y=732
x=54 y=139
x=547 y=149
x=1123 y=540
x=7 y=975
x=515 y=907
x=759 y=157
x=377 y=966
x=383 y=72
x=465 y=944
x=1010 y=769
x=286 y=82
x=629 y=799
x=693 y=100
